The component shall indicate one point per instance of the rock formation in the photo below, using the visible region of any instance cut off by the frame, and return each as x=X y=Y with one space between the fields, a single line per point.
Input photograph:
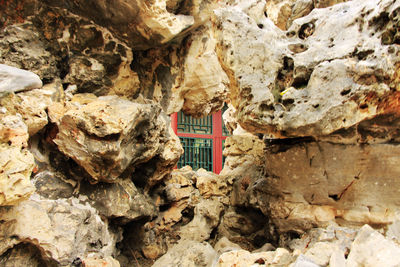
x=88 y=154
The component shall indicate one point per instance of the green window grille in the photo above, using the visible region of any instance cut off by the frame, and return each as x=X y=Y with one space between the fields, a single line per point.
x=198 y=153
x=187 y=124
x=224 y=129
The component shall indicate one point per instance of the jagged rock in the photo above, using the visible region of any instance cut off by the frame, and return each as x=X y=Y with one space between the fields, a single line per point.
x=63 y=230
x=211 y=184
x=327 y=182
x=23 y=255
x=206 y=218
x=52 y=185
x=283 y=86
x=95 y=262
x=31 y=105
x=22 y=47
x=196 y=255
x=141 y=24
x=14 y=80
x=370 y=248
x=204 y=85
x=321 y=252
x=120 y=200
x=16 y=162
x=243 y=258
x=106 y=135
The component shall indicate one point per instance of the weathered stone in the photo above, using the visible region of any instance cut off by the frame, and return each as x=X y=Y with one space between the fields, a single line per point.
x=23 y=255
x=196 y=255
x=283 y=86
x=14 y=80
x=22 y=47
x=224 y=245
x=62 y=229
x=211 y=184
x=370 y=248
x=204 y=85
x=206 y=218
x=243 y=258
x=52 y=185
x=93 y=261
x=321 y=252
x=312 y=183
x=120 y=200
x=31 y=105
x=16 y=162
x=107 y=135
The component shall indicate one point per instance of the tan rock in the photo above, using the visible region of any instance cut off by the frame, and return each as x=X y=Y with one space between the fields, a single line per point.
x=62 y=229
x=204 y=86
x=283 y=86
x=109 y=134
x=16 y=166
x=32 y=106
x=96 y=262
x=243 y=258
x=211 y=184
x=206 y=218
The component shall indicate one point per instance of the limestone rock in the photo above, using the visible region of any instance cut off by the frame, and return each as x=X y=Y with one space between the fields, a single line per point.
x=196 y=255
x=283 y=86
x=141 y=24
x=14 y=80
x=370 y=248
x=211 y=184
x=16 y=162
x=52 y=185
x=23 y=255
x=121 y=200
x=303 y=261
x=204 y=86
x=206 y=218
x=108 y=134
x=21 y=46
x=31 y=105
x=225 y=245
x=243 y=258
x=63 y=230
x=328 y=181
x=95 y=262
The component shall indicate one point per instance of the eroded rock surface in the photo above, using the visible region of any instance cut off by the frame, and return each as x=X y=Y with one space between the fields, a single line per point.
x=283 y=86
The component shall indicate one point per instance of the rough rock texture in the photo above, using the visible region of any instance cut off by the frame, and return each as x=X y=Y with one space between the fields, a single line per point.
x=196 y=255
x=106 y=135
x=204 y=82
x=16 y=162
x=282 y=85
x=63 y=230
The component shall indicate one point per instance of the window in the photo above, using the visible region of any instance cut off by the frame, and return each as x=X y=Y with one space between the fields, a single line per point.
x=202 y=139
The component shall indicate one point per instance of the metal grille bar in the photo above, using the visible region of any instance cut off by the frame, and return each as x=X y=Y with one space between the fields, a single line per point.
x=198 y=153
x=187 y=124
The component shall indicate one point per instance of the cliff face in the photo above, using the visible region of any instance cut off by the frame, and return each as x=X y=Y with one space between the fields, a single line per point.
x=87 y=152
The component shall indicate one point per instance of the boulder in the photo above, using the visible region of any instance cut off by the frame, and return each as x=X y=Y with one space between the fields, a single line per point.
x=63 y=230
x=108 y=134
x=283 y=86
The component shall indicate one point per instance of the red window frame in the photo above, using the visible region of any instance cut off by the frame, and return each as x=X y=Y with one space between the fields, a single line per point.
x=216 y=136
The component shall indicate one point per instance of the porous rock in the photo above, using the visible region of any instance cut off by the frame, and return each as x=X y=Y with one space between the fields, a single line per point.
x=195 y=254
x=283 y=86
x=105 y=135
x=63 y=230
